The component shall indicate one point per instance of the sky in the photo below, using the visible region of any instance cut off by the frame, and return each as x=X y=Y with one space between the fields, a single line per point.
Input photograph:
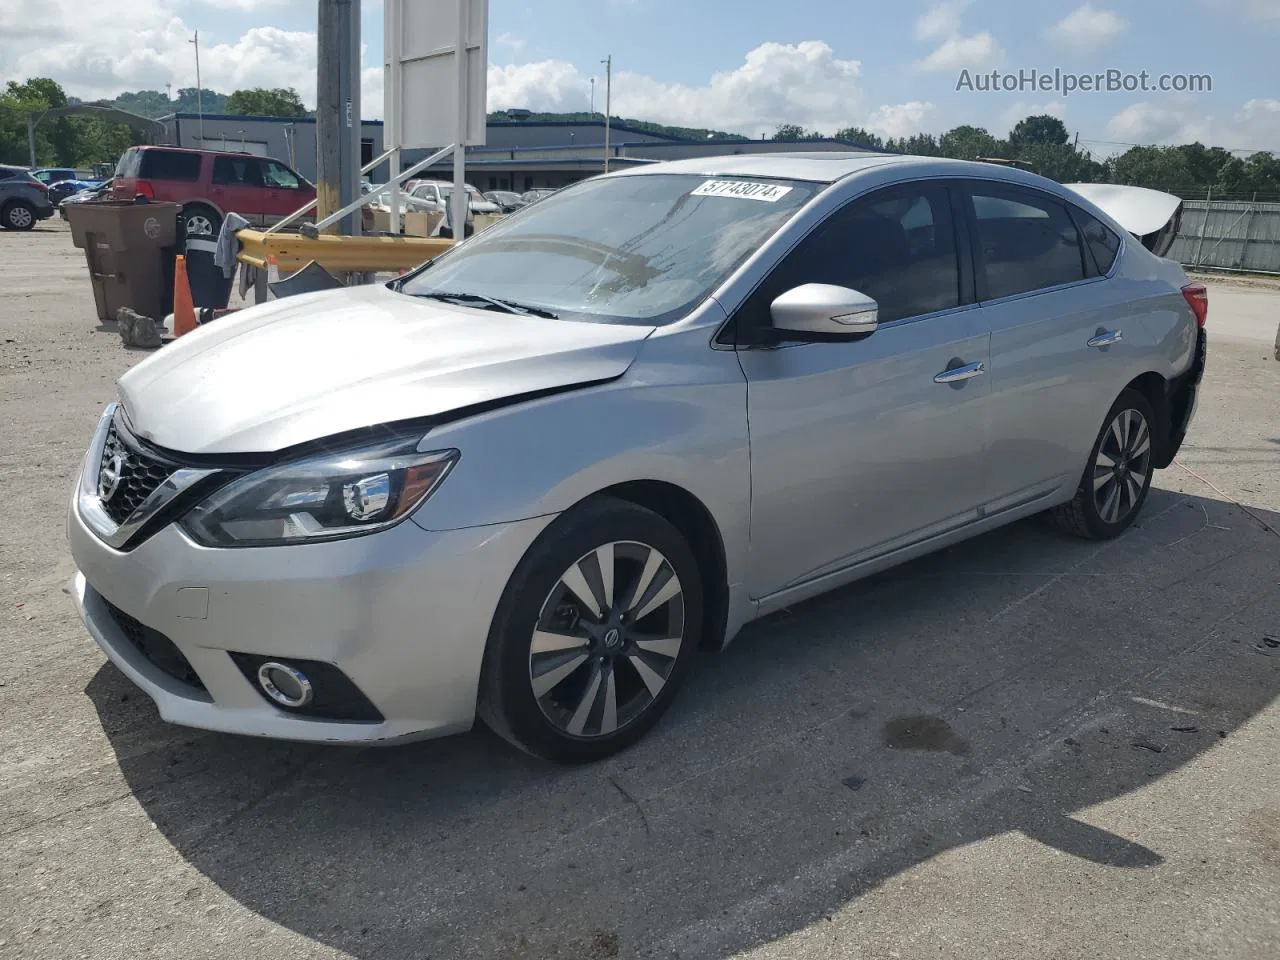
x=744 y=66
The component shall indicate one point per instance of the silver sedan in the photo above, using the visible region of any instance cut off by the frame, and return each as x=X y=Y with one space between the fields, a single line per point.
x=529 y=480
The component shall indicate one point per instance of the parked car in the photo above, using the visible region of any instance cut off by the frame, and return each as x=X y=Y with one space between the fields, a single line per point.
x=24 y=200
x=529 y=480
x=99 y=192
x=51 y=175
x=211 y=183
x=60 y=190
x=533 y=196
x=506 y=200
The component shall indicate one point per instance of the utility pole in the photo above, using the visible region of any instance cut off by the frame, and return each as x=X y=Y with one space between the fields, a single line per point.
x=338 y=110
x=593 y=96
x=199 y=87
x=459 y=202
x=608 y=104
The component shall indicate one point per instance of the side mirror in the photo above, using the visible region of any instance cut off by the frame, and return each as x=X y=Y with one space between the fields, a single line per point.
x=822 y=311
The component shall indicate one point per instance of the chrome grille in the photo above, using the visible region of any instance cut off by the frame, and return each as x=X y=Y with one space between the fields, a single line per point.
x=139 y=474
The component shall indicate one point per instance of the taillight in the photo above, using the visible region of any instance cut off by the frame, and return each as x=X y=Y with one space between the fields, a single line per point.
x=143 y=188
x=1197 y=297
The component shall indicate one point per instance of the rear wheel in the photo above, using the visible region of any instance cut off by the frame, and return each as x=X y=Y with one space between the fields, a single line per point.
x=18 y=215
x=200 y=221
x=595 y=632
x=1115 y=483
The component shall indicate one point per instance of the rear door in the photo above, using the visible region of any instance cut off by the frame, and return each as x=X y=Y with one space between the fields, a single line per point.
x=1058 y=353
x=861 y=448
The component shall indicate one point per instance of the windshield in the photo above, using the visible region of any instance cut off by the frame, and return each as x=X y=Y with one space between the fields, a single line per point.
x=638 y=249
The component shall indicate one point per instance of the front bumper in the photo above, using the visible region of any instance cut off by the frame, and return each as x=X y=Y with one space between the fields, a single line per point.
x=403 y=613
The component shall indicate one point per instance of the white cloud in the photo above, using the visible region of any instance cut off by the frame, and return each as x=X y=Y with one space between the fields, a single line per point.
x=1021 y=110
x=941 y=20
x=802 y=83
x=1087 y=28
x=901 y=119
x=1255 y=126
x=958 y=52
x=509 y=40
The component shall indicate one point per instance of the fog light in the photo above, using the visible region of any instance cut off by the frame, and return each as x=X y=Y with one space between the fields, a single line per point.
x=285 y=685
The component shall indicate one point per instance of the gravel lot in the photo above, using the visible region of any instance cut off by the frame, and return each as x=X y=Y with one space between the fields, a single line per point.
x=1025 y=746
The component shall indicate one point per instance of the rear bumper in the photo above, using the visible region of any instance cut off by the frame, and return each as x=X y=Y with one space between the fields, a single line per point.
x=1183 y=399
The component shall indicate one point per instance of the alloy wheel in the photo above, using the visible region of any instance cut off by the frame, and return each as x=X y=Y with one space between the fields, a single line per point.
x=1122 y=466
x=20 y=217
x=198 y=225
x=607 y=639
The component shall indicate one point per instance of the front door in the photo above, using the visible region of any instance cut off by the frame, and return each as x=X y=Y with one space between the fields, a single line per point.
x=859 y=448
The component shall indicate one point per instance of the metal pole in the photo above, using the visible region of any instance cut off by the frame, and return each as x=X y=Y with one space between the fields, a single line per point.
x=393 y=50
x=31 y=138
x=199 y=88
x=593 y=96
x=351 y=141
x=330 y=51
x=458 y=201
x=608 y=105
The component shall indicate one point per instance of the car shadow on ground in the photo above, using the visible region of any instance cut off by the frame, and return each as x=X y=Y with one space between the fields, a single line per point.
x=1006 y=684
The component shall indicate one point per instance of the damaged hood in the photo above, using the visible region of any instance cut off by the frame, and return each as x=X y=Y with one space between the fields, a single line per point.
x=315 y=365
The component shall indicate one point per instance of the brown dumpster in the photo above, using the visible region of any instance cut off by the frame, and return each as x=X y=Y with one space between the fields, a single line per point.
x=129 y=248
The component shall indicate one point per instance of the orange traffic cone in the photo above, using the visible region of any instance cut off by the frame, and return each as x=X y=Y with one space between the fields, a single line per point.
x=184 y=313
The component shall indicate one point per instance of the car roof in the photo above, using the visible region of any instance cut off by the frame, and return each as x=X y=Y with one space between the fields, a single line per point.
x=830 y=167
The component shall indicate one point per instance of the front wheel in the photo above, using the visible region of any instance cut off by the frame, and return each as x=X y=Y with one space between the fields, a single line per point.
x=596 y=629
x=1115 y=483
x=200 y=221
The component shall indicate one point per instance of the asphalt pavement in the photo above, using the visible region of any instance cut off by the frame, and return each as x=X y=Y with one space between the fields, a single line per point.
x=1024 y=746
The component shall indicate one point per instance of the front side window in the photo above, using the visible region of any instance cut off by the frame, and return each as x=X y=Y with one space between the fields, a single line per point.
x=896 y=246
x=279 y=176
x=640 y=249
x=1026 y=241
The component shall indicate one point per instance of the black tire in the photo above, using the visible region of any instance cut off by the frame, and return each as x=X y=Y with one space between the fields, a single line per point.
x=1090 y=513
x=206 y=220
x=18 y=215
x=508 y=703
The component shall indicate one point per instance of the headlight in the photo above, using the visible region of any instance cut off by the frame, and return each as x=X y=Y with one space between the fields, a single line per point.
x=326 y=497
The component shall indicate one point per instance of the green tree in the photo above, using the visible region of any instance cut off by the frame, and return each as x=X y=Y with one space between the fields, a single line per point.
x=189 y=100
x=860 y=136
x=917 y=145
x=277 y=102
x=969 y=143
x=1041 y=129
x=789 y=132
x=1160 y=168
x=145 y=103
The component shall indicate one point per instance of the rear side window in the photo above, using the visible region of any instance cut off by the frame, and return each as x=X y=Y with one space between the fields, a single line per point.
x=128 y=165
x=1102 y=242
x=237 y=171
x=1026 y=241
x=8 y=173
x=169 y=165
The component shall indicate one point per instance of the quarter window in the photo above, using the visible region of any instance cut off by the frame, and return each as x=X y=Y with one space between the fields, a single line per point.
x=169 y=165
x=1102 y=242
x=1026 y=241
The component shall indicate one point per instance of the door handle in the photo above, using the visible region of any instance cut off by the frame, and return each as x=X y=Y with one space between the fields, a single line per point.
x=960 y=374
x=1107 y=338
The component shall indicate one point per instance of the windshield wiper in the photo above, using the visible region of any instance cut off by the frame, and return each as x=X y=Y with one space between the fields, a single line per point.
x=491 y=303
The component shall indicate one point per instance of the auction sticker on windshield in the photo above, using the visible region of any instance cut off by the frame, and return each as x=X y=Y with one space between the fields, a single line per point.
x=742 y=189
